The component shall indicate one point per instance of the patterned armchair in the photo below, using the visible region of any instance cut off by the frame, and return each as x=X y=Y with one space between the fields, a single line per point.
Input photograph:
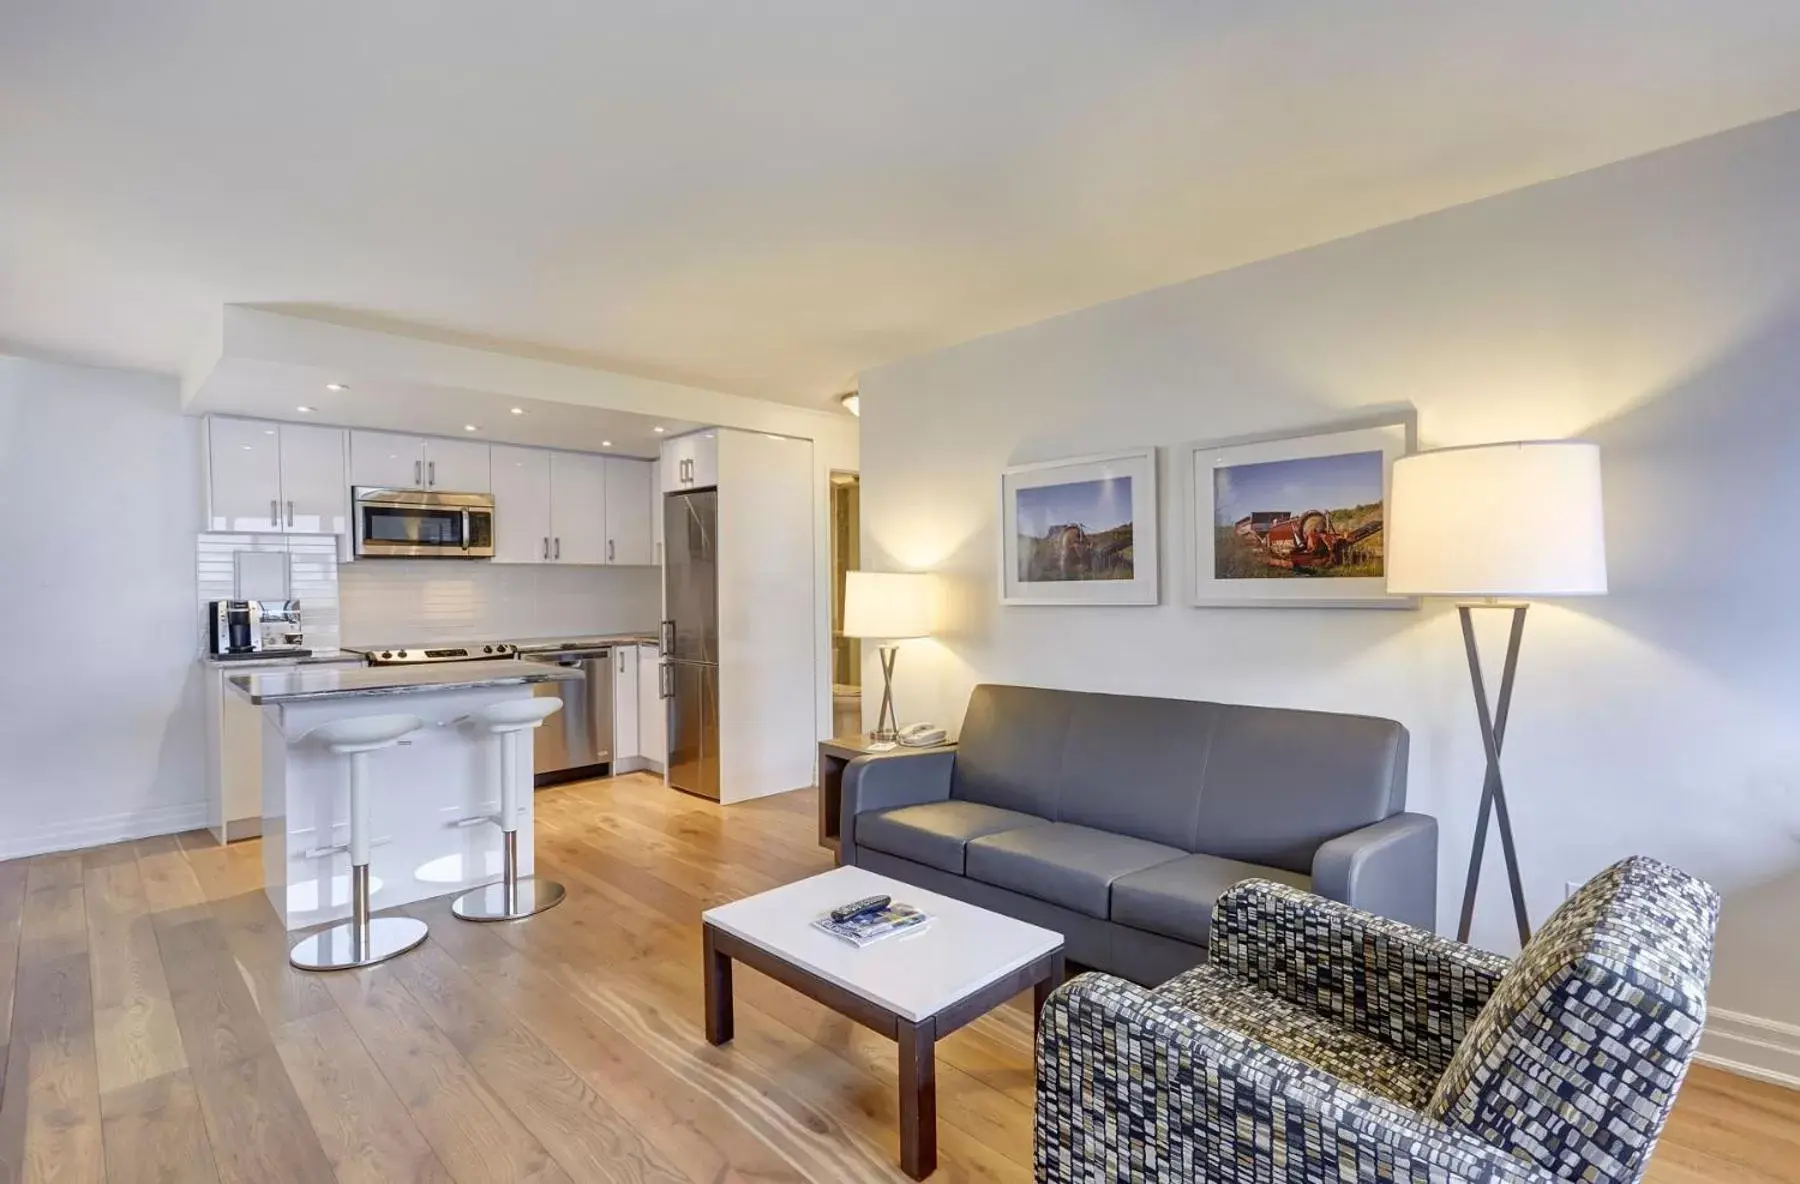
x=1320 y=1043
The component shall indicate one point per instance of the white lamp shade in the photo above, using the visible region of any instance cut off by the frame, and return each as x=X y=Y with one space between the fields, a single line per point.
x=1502 y=520
x=887 y=604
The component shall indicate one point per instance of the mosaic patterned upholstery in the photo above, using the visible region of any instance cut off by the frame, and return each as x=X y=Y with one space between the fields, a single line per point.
x=1321 y=1044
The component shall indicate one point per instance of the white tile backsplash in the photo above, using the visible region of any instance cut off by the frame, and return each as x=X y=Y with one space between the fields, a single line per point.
x=395 y=601
x=312 y=577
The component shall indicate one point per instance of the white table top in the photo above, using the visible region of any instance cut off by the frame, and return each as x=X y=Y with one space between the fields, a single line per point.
x=915 y=974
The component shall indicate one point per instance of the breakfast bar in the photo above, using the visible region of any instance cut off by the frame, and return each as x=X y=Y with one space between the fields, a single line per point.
x=436 y=792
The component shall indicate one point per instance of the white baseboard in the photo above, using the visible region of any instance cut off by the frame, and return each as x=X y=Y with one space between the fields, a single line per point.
x=1751 y=1046
x=96 y=832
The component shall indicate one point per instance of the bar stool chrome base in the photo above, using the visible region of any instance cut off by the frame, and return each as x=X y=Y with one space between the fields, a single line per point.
x=343 y=947
x=512 y=897
x=489 y=902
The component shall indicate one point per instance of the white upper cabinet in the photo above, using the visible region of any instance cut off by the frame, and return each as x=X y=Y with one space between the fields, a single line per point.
x=628 y=500
x=457 y=466
x=392 y=461
x=275 y=477
x=521 y=480
x=690 y=462
x=577 y=508
x=387 y=461
x=315 y=496
x=245 y=462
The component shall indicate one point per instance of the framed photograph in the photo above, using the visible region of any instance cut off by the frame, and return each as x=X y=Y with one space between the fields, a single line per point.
x=1296 y=519
x=1080 y=531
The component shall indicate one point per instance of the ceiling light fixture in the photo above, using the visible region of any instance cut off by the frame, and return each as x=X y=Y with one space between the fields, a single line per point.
x=518 y=411
x=469 y=427
x=606 y=443
x=658 y=431
x=304 y=409
x=852 y=402
x=336 y=386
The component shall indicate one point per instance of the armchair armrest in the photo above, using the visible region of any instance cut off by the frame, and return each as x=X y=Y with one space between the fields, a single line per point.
x=883 y=781
x=1389 y=868
x=1134 y=1087
x=1409 y=987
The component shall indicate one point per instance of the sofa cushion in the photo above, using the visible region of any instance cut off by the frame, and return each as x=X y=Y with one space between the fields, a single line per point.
x=1227 y=1001
x=1176 y=898
x=1009 y=753
x=1136 y=766
x=935 y=833
x=1073 y=866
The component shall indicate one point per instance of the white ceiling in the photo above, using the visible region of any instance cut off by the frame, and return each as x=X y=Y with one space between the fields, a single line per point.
x=767 y=196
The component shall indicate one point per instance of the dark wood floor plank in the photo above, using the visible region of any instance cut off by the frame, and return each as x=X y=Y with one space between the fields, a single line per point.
x=155 y=1133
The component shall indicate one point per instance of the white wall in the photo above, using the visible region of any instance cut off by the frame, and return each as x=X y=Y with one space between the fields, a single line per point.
x=101 y=731
x=390 y=601
x=1652 y=306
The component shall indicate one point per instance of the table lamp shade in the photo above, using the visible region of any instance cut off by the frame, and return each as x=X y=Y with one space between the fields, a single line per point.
x=1498 y=520
x=882 y=604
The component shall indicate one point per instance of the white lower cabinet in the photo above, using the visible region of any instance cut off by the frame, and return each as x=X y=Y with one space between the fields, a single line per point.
x=653 y=724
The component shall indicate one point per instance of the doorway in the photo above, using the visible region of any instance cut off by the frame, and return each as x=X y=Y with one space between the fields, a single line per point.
x=846 y=556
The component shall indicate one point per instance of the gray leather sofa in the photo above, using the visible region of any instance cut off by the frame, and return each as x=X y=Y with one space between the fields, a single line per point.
x=1118 y=820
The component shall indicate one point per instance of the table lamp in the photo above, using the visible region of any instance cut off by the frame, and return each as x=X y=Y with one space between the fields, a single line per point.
x=1495 y=525
x=890 y=606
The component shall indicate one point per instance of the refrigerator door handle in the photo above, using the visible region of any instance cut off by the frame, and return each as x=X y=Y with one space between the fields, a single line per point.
x=665 y=684
x=666 y=641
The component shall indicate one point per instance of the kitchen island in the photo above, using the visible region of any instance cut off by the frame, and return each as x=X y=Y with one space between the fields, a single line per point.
x=435 y=793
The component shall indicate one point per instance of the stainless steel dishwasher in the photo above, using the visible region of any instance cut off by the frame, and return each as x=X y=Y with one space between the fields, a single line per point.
x=578 y=740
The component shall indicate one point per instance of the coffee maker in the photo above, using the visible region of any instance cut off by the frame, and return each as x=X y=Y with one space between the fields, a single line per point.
x=255 y=629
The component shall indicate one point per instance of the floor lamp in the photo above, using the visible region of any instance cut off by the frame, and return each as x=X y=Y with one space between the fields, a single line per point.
x=890 y=606
x=1497 y=525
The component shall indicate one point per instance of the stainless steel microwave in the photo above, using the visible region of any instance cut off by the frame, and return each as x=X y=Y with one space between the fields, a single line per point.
x=422 y=524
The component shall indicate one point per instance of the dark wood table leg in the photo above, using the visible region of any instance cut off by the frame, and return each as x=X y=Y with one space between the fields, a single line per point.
x=717 y=972
x=918 y=1098
x=1040 y=993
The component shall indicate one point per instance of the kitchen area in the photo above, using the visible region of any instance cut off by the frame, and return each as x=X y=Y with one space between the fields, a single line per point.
x=661 y=592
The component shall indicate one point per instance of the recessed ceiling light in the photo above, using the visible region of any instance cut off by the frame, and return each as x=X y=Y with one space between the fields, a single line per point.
x=266 y=432
x=518 y=411
x=606 y=443
x=469 y=427
x=658 y=431
x=336 y=386
x=303 y=409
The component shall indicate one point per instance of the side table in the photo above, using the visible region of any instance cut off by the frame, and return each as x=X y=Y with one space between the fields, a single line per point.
x=834 y=755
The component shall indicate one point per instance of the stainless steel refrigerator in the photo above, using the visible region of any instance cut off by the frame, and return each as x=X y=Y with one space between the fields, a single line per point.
x=690 y=639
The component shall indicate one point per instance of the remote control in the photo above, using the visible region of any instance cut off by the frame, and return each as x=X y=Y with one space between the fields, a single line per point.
x=857 y=908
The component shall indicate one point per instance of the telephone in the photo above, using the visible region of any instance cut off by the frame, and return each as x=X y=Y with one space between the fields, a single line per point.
x=921 y=735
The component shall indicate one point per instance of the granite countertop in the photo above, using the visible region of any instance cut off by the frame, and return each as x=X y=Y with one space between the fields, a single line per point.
x=573 y=640
x=317 y=657
x=305 y=684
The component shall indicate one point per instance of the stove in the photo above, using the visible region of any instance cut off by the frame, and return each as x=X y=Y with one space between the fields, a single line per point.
x=418 y=655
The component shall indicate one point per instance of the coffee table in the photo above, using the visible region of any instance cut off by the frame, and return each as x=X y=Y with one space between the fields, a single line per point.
x=913 y=987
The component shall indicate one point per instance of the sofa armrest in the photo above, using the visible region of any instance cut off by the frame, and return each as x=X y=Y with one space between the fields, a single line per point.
x=885 y=780
x=1132 y=1086
x=1409 y=987
x=1390 y=869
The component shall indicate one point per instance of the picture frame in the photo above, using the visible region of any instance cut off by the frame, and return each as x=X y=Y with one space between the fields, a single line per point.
x=1325 y=553
x=1081 y=530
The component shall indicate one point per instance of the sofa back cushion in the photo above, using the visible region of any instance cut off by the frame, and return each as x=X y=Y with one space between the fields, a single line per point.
x=1574 y=1063
x=1264 y=785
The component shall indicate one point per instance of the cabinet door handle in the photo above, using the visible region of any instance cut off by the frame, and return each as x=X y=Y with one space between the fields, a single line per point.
x=546 y=546
x=418 y=472
x=559 y=546
x=274 y=512
x=609 y=550
x=431 y=472
x=290 y=515
x=621 y=661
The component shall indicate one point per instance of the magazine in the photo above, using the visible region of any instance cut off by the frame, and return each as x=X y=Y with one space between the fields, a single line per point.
x=872 y=927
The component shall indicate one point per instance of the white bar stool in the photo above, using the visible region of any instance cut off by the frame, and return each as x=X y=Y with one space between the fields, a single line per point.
x=513 y=897
x=363 y=940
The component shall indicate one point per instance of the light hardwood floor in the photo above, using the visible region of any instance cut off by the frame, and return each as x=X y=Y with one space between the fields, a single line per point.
x=157 y=1033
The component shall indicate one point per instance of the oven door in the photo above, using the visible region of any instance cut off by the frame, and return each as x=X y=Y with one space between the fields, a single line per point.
x=417 y=524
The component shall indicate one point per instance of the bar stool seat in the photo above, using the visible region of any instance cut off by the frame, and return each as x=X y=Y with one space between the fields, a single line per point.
x=514 y=896
x=363 y=940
